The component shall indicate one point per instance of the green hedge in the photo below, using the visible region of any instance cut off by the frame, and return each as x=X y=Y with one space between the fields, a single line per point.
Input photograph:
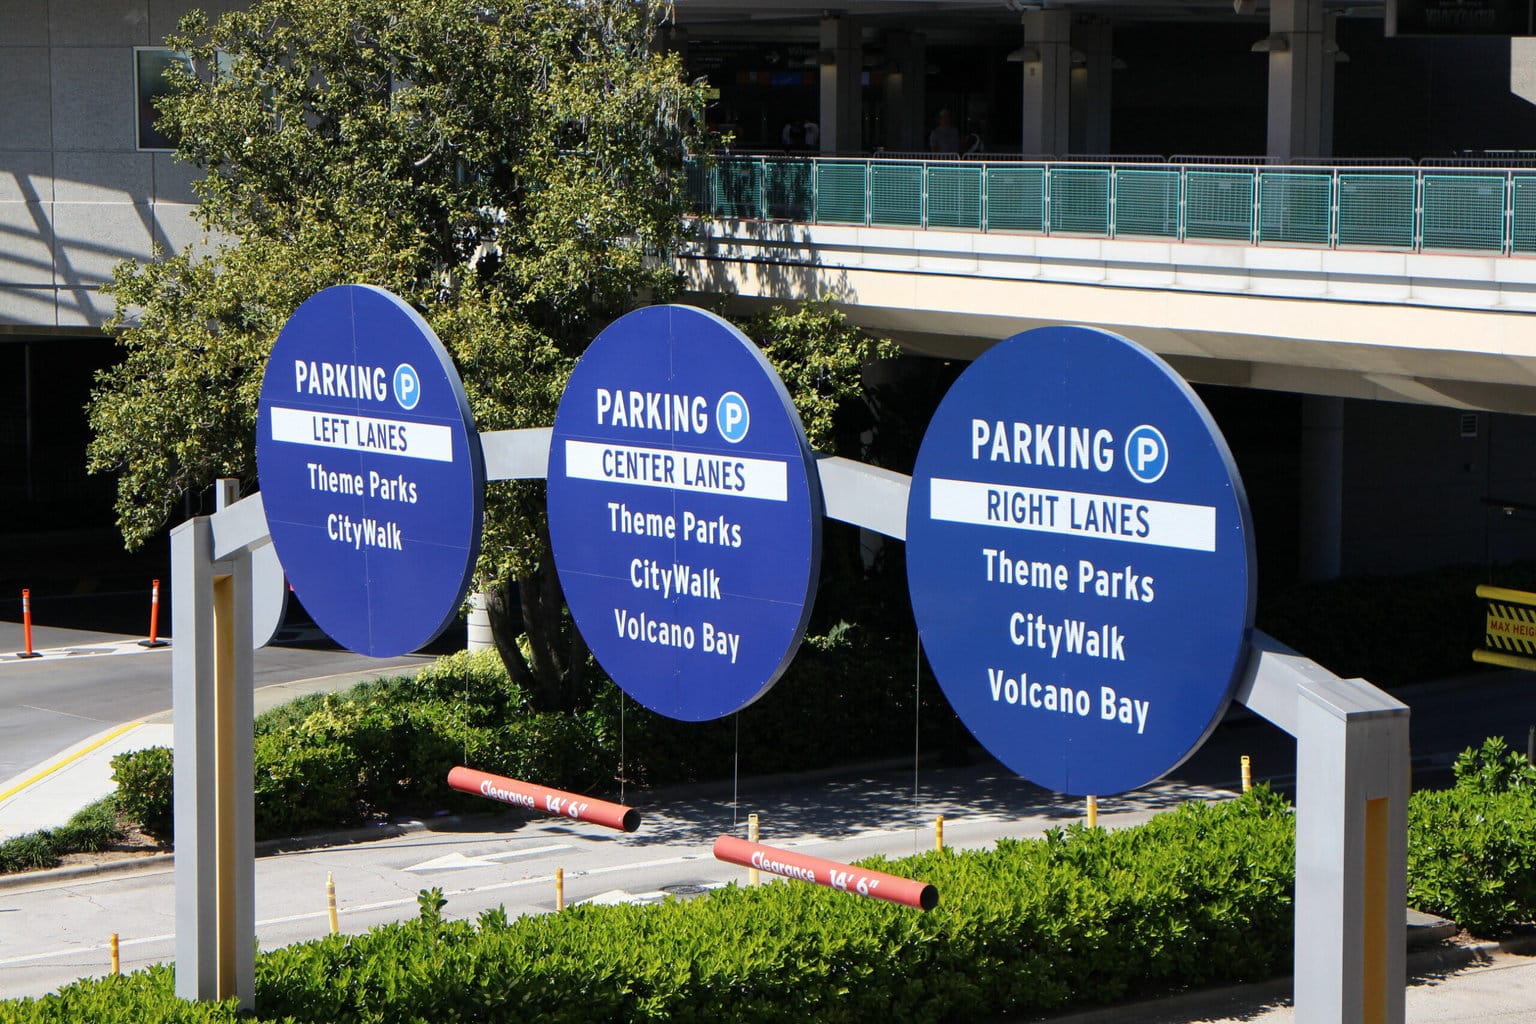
x=1472 y=848
x=1198 y=896
x=330 y=761
x=93 y=828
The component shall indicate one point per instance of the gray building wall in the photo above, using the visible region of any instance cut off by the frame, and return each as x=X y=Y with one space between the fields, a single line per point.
x=76 y=194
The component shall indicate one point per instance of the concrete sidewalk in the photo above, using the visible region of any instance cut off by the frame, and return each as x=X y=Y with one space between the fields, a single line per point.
x=1488 y=983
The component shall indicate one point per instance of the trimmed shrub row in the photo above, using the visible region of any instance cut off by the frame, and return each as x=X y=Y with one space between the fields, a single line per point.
x=385 y=747
x=1472 y=848
x=1198 y=896
x=91 y=829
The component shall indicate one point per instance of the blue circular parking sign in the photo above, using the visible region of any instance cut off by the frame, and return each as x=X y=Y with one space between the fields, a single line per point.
x=684 y=512
x=371 y=473
x=1080 y=560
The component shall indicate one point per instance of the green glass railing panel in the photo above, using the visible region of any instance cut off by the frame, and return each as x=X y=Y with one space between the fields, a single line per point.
x=738 y=189
x=1523 y=230
x=1295 y=207
x=896 y=195
x=1464 y=211
x=1080 y=199
x=1377 y=209
x=840 y=193
x=789 y=189
x=954 y=196
x=1147 y=203
x=1015 y=198
x=698 y=178
x=1218 y=204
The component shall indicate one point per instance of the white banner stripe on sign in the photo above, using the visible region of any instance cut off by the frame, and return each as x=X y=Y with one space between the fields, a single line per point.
x=1163 y=524
x=404 y=438
x=728 y=475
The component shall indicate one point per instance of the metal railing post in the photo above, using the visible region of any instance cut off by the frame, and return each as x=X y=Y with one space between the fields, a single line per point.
x=1255 y=232
x=1335 y=197
x=1114 y=190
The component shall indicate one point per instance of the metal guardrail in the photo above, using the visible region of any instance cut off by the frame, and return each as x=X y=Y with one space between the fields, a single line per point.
x=1392 y=206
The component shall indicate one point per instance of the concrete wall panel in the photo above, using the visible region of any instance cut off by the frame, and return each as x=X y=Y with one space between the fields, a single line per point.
x=174 y=227
x=25 y=114
x=91 y=238
x=26 y=245
x=164 y=15
x=26 y=177
x=94 y=23
x=27 y=307
x=83 y=306
x=103 y=177
x=94 y=99
x=173 y=180
x=24 y=22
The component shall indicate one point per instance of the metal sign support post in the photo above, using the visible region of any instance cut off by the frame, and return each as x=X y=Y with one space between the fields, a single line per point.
x=1352 y=782
x=211 y=684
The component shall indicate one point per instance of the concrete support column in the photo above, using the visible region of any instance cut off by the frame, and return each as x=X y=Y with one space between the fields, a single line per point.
x=906 y=91
x=1296 y=72
x=1092 y=86
x=841 y=111
x=1047 y=82
x=1332 y=58
x=1322 y=487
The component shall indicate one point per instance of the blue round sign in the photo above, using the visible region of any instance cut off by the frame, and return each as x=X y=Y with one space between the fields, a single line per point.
x=684 y=512
x=371 y=472
x=1080 y=560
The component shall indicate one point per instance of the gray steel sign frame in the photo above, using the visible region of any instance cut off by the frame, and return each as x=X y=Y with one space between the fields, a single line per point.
x=1352 y=777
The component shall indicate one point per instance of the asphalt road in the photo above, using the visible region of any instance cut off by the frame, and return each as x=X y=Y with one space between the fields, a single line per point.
x=510 y=860
x=47 y=704
x=50 y=703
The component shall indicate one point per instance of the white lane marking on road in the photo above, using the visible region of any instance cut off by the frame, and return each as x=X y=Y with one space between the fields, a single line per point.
x=367 y=907
x=458 y=861
x=77 y=651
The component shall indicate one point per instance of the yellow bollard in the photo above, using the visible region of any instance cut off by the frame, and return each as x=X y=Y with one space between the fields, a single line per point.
x=117 y=963
x=330 y=902
x=559 y=888
x=1093 y=812
x=753 y=878
x=1247 y=774
x=938 y=832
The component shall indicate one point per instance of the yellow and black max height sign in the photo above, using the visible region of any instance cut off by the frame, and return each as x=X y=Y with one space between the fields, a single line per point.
x=1510 y=634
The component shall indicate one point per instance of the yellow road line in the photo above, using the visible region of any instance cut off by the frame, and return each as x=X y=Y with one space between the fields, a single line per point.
x=77 y=755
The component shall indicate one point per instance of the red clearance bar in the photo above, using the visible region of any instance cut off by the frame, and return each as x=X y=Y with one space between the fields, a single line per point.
x=542 y=798
x=830 y=873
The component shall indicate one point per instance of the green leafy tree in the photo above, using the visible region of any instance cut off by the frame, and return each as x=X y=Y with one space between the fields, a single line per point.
x=512 y=168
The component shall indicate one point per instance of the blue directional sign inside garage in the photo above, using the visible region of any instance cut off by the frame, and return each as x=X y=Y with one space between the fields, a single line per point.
x=371 y=472
x=684 y=512
x=1080 y=560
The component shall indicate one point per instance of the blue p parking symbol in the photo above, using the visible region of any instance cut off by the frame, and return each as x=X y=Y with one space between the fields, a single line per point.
x=1146 y=454
x=732 y=417
x=407 y=386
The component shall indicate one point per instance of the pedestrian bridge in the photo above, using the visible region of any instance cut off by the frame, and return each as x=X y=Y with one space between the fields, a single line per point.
x=1399 y=282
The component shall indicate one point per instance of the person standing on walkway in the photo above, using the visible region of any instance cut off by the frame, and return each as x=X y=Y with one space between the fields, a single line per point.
x=945 y=137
